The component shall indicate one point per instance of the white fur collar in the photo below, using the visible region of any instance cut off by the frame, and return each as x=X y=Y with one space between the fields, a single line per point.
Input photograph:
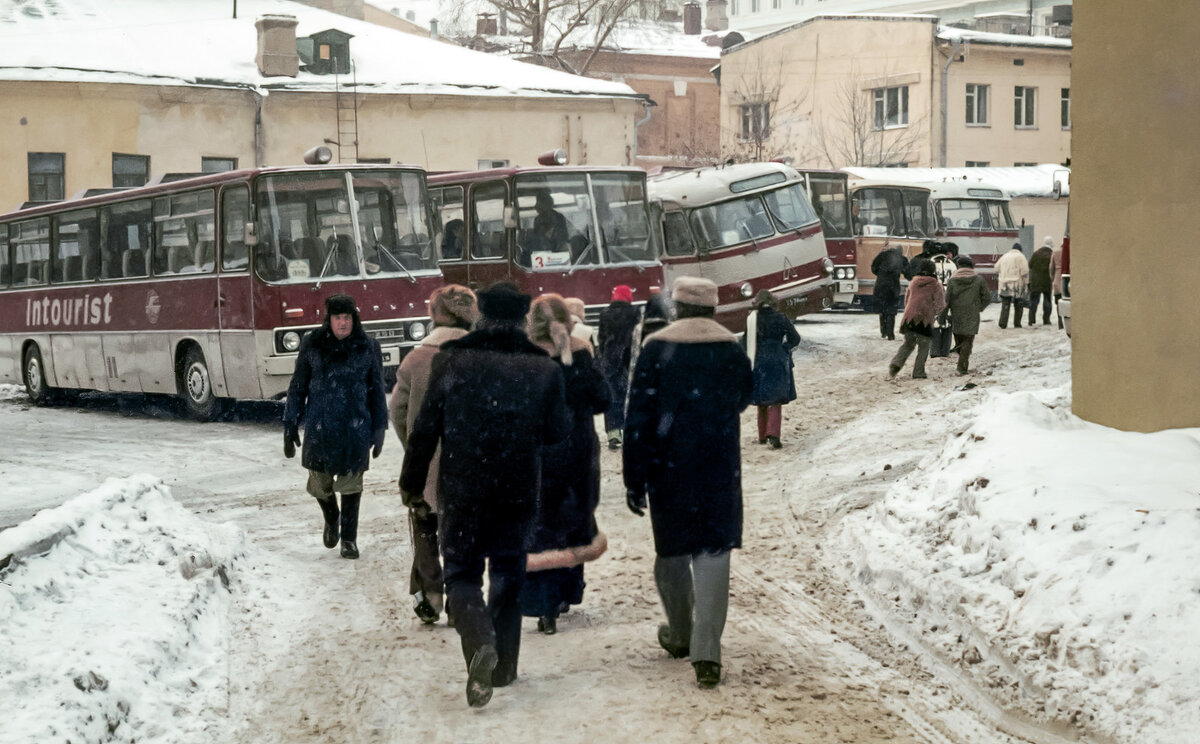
x=442 y=334
x=693 y=331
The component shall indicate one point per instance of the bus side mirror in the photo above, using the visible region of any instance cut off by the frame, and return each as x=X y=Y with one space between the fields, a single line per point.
x=250 y=234
x=510 y=217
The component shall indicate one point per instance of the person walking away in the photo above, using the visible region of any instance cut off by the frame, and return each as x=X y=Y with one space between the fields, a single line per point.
x=337 y=392
x=454 y=311
x=967 y=294
x=887 y=267
x=1012 y=274
x=683 y=457
x=494 y=401
x=617 y=322
x=570 y=489
x=579 y=328
x=1056 y=276
x=1041 y=282
x=770 y=338
x=923 y=301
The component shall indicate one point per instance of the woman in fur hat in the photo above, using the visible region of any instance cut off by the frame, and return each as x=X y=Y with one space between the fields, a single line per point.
x=770 y=338
x=454 y=311
x=337 y=391
x=570 y=470
x=923 y=301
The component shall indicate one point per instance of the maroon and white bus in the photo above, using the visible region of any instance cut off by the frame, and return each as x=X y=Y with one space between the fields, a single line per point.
x=203 y=287
x=578 y=231
x=747 y=227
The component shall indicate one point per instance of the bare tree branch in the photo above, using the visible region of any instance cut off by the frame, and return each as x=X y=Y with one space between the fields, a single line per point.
x=848 y=136
x=773 y=119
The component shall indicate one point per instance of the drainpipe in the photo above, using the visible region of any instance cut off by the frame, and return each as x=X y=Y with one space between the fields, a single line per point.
x=258 y=128
x=646 y=104
x=955 y=48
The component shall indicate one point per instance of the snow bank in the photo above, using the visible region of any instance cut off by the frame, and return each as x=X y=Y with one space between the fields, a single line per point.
x=1042 y=551
x=114 y=608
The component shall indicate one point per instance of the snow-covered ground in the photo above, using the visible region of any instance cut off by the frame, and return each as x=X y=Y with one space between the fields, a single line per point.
x=957 y=559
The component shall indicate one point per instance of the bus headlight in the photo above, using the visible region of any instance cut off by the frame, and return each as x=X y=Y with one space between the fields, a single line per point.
x=290 y=341
x=416 y=331
x=827 y=266
x=746 y=290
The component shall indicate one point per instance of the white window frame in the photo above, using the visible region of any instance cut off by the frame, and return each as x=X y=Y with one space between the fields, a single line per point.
x=1025 y=107
x=754 y=121
x=977 y=105
x=883 y=101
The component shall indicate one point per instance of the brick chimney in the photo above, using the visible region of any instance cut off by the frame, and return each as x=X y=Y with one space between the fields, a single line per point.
x=277 y=46
x=691 y=19
x=716 y=19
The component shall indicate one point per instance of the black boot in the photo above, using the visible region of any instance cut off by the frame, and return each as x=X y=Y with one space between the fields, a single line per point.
x=329 y=508
x=350 y=524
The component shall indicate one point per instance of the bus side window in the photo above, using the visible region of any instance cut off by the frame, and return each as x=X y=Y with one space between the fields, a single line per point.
x=5 y=264
x=678 y=238
x=487 y=218
x=235 y=213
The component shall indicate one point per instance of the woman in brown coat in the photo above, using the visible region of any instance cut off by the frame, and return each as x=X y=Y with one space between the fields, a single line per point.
x=453 y=309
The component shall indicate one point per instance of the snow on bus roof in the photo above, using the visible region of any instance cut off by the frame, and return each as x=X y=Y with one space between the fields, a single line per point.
x=1030 y=180
x=199 y=43
x=718 y=182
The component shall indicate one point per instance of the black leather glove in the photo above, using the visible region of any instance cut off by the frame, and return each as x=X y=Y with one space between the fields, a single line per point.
x=291 y=440
x=636 y=500
x=417 y=504
x=379 y=435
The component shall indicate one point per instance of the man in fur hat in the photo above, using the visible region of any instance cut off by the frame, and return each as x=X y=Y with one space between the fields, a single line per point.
x=682 y=450
x=494 y=400
x=337 y=391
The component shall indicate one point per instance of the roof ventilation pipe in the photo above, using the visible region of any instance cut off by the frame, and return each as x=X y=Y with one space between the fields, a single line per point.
x=691 y=19
x=276 y=55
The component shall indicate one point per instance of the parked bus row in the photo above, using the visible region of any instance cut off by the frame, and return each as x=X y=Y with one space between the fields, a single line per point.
x=204 y=287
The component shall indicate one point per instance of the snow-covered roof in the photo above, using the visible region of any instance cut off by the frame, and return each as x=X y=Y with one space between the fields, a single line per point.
x=638 y=36
x=198 y=42
x=1032 y=180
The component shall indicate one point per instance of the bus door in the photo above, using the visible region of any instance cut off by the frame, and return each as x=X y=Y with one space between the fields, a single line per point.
x=680 y=257
x=487 y=249
x=235 y=304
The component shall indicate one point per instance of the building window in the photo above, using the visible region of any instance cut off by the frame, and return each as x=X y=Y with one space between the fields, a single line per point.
x=756 y=120
x=47 y=176
x=754 y=6
x=1066 y=108
x=1023 y=165
x=977 y=104
x=977 y=163
x=891 y=107
x=217 y=165
x=374 y=161
x=485 y=164
x=130 y=170
x=1023 y=107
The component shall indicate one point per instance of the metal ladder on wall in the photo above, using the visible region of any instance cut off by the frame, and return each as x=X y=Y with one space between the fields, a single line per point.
x=346 y=102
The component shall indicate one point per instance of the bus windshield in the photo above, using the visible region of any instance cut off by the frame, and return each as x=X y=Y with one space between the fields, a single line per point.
x=829 y=201
x=307 y=226
x=557 y=214
x=790 y=207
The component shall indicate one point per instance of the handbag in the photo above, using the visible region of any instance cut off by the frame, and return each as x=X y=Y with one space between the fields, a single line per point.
x=939 y=345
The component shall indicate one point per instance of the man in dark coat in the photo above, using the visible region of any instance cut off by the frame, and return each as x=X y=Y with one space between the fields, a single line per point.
x=887 y=268
x=494 y=400
x=1040 y=281
x=614 y=352
x=337 y=391
x=682 y=450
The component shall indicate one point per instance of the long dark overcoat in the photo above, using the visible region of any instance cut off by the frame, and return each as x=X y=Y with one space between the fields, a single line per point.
x=571 y=468
x=614 y=351
x=682 y=435
x=775 y=337
x=495 y=400
x=887 y=267
x=337 y=392
x=1040 y=279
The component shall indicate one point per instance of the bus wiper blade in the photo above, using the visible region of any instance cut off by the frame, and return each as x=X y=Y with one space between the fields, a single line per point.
x=383 y=251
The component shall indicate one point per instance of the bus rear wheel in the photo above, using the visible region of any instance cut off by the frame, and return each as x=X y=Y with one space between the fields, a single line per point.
x=40 y=392
x=195 y=387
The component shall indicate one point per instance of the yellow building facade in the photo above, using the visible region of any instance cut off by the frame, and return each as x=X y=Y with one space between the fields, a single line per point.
x=895 y=90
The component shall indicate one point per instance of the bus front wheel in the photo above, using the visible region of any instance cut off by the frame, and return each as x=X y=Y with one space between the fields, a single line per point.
x=195 y=387
x=35 y=377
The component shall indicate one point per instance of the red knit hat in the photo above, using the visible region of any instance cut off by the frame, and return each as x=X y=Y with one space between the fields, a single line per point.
x=623 y=293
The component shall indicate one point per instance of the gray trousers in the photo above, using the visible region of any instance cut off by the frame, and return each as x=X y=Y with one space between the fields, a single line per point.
x=695 y=594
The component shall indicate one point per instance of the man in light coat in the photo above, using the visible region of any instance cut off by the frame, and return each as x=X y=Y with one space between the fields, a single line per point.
x=1012 y=273
x=683 y=452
